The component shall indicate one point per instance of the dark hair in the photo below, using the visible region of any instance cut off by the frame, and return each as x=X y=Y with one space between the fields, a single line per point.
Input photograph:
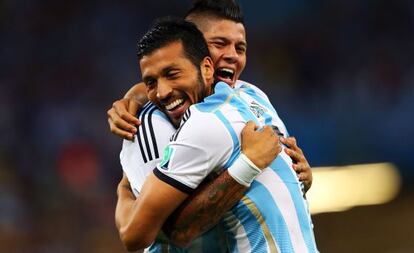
x=227 y=9
x=170 y=29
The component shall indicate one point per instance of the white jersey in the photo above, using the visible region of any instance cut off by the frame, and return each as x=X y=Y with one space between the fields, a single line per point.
x=273 y=216
x=140 y=157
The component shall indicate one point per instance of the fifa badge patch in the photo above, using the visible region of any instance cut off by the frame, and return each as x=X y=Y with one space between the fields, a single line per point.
x=257 y=109
x=168 y=153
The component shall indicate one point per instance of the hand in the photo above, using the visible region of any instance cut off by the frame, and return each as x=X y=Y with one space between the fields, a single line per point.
x=301 y=165
x=260 y=146
x=121 y=119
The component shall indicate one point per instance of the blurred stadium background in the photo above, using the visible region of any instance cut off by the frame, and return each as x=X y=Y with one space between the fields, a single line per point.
x=340 y=74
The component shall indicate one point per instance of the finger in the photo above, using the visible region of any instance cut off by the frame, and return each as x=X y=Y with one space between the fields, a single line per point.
x=120 y=111
x=116 y=122
x=119 y=132
x=297 y=168
x=251 y=126
x=303 y=177
x=296 y=157
x=131 y=119
x=133 y=108
x=290 y=141
x=268 y=130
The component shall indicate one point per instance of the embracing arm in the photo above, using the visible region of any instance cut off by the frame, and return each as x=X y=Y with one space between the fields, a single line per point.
x=204 y=208
x=121 y=116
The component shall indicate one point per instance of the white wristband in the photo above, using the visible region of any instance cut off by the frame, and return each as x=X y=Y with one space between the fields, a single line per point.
x=243 y=170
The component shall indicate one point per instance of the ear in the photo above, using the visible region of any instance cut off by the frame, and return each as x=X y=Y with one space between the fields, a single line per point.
x=207 y=70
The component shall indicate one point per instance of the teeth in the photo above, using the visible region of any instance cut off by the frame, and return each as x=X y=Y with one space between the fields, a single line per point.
x=227 y=70
x=174 y=104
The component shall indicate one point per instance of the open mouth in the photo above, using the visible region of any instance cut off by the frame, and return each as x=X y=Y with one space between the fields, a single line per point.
x=224 y=74
x=176 y=109
x=175 y=104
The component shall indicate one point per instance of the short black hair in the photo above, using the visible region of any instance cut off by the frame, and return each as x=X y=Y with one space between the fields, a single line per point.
x=167 y=30
x=227 y=9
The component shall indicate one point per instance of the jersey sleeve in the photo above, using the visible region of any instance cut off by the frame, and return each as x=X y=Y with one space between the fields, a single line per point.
x=201 y=145
x=139 y=157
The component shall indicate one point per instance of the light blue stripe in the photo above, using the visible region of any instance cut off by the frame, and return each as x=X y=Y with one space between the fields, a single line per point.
x=252 y=227
x=161 y=114
x=211 y=103
x=236 y=144
x=272 y=215
x=284 y=171
x=243 y=109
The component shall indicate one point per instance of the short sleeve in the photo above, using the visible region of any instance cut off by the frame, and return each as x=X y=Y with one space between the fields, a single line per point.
x=139 y=157
x=201 y=145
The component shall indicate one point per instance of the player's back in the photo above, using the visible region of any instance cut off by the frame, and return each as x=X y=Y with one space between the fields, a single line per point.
x=273 y=215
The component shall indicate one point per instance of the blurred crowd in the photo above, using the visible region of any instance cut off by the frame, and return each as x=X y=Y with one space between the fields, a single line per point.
x=340 y=74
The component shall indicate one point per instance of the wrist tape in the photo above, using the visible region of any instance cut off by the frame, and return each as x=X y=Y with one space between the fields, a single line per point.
x=243 y=170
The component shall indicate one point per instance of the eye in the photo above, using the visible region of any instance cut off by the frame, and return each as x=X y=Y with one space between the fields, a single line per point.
x=218 y=44
x=150 y=82
x=172 y=74
x=241 y=49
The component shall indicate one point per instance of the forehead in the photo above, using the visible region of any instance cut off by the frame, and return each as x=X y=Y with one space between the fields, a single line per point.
x=215 y=27
x=168 y=56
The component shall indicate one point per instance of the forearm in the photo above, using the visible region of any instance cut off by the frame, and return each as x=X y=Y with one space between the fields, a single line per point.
x=138 y=93
x=140 y=220
x=203 y=209
x=124 y=206
x=124 y=217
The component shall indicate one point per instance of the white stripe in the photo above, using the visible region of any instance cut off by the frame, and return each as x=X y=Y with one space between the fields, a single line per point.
x=283 y=200
x=237 y=230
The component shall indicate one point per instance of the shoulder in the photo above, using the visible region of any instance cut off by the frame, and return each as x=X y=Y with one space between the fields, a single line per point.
x=251 y=89
x=198 y=125
x=152 y=136
x=153 y=133
x=150 y=111
x=140 y=156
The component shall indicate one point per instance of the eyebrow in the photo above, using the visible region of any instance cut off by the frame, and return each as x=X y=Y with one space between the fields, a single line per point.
x=170 y=68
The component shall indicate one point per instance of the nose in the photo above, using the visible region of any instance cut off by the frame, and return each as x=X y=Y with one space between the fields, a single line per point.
x=230 y=55
x=163 y=91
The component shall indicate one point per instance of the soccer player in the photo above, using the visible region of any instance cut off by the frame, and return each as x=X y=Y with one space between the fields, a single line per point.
x=177 y=71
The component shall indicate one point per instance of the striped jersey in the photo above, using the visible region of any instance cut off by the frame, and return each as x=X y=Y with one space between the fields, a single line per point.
x=139 y=157
x=273 y=216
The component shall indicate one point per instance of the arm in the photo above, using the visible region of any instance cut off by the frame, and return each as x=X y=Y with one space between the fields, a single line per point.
x=204 y=208
x=121 y=117
x=140 y=220
x=301 y=165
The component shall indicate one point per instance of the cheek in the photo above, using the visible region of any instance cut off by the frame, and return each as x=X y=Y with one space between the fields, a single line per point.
x=152 y=94
x=242 y=62
x=215 y=54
